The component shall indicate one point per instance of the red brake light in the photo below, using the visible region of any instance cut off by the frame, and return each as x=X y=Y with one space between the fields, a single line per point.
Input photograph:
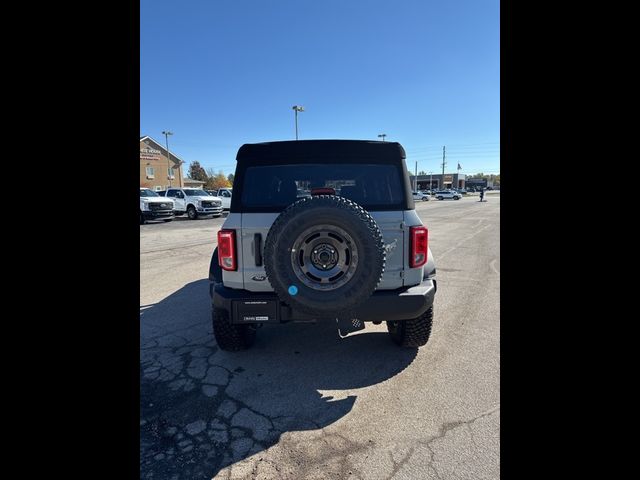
x=419 y=246
x=227 y=249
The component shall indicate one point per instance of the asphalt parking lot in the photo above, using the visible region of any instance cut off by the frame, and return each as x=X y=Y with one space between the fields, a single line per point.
x=304 y=403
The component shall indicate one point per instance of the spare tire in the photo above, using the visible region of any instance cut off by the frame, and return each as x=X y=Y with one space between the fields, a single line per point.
x=324 y=256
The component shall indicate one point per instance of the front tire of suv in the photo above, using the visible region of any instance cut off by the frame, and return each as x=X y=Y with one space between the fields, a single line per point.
x=191 y=212
x=412 y=333
x=230 y=337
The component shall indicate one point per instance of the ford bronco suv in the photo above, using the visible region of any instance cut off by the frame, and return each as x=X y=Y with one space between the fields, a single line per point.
x=354 y=250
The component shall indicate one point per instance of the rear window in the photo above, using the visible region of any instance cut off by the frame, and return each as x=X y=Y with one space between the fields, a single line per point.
x=274 y=187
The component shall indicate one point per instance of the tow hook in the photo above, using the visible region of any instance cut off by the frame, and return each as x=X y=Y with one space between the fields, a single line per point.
x=348 y=325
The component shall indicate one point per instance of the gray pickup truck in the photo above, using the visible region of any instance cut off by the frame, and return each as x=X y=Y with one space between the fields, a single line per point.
x=353 y=251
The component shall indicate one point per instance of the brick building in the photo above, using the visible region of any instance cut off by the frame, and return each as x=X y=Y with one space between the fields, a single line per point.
x=157 y=172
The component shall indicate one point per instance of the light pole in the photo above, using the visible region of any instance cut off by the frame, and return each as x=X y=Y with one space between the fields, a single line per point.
x=297 y=108
x=166 y=134
x=382 y=135
x=431 y=182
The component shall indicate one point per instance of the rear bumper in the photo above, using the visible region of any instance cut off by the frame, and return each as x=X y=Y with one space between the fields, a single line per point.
x=384 y=305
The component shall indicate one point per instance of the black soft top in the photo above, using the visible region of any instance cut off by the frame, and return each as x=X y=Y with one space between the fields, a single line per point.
x=300 y=151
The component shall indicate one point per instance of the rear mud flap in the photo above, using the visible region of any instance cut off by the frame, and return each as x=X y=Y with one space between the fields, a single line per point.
x=348 y=325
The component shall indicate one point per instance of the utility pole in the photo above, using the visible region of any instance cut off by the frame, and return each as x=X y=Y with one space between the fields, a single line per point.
x=431 y=182
x=443 y=164
x=166 y=134
x=416 y=181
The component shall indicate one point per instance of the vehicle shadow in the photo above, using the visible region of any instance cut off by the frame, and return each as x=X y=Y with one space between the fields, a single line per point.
x=203 y=409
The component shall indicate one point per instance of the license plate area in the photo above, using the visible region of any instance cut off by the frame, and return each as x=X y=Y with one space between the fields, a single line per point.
x=255 y=311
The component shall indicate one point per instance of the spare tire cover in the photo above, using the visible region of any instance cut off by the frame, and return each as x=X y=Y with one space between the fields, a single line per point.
x=324 y=255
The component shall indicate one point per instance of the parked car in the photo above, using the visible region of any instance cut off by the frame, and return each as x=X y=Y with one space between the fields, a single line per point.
x=224 y=194
x=155 y=207
x=442 y=194
x=194 y=202
x=421 y=196
x=323 y=258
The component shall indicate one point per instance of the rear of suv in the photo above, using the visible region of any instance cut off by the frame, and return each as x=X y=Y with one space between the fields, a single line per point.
x=351 y=251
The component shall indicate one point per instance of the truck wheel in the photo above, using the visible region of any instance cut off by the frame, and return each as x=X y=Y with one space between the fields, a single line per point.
x=230 y=337
x=440 y=198
x=191 y=212
x=412 y=333
x=324 y=255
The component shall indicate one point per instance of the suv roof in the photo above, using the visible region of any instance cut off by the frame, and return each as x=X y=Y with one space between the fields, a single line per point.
x=297 y=152
x=313 y=150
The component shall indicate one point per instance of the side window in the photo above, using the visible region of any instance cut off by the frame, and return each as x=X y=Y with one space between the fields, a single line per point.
x=171 y=193
x=225 y=193
x=179 y=194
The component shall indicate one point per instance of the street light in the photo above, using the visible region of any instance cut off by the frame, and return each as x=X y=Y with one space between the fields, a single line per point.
x=166 y=134
x=431 y=182
x=297 y=108
x=382 y=135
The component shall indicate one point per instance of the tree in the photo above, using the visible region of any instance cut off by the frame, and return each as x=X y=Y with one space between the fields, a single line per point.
x=196 y=172
x=230 y=178
x=216 y=181
x=422 y=172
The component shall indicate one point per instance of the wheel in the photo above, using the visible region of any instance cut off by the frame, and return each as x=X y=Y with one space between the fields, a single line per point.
x=440 y=198
x=412 y=333
x=324 y=255
x=141 y=219
x=230 y=337
x=456 y=198
x=191 y=212
x=425 y=199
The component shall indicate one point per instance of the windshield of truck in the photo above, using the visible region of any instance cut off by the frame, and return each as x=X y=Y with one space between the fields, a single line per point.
x=145 y=192
x=192 y=192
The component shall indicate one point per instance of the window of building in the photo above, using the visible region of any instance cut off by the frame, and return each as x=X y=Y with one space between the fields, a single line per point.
x=171 y=172
x=150 y=172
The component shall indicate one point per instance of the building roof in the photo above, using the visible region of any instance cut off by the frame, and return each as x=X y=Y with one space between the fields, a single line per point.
x=191 y=180
x=163 y=149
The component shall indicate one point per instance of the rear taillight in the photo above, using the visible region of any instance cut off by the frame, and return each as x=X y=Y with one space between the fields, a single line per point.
x=419 y=245
x=227 y=249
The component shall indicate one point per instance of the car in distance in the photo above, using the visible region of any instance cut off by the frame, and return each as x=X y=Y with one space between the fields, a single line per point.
x=421 y=196
x=154 y=206
x=194 y=202
x=443 y=194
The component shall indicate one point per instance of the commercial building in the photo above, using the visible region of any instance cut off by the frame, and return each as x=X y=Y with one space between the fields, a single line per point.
x=437 y=181
x=159 y=170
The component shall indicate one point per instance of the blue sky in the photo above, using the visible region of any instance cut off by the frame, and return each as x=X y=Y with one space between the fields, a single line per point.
x=220 y=73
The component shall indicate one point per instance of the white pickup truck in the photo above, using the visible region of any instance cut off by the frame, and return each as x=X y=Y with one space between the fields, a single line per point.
x=194 y=202
x=155 y=207
x=224 y=194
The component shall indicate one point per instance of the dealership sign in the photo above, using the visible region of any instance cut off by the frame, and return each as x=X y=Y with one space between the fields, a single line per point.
x=149 y=154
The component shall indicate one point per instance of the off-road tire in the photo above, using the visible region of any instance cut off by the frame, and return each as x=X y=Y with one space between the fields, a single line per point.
x=192 y=213
x=412 y=333
x=230 y=337
x=328 y=210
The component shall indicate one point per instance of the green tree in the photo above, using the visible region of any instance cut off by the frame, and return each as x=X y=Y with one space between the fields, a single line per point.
x=230 y=177
x=196 y=172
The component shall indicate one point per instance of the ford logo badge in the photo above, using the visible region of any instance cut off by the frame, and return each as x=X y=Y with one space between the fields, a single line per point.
x=259 y=278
